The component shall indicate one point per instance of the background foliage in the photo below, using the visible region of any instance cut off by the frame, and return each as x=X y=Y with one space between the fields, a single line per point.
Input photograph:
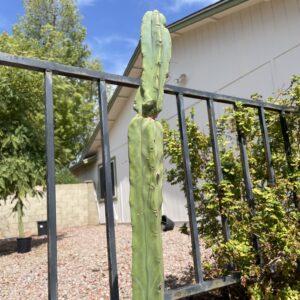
x=276 y=216
x=49 y=30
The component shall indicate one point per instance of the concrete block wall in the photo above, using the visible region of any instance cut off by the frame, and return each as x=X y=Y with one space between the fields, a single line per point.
x=76 y=205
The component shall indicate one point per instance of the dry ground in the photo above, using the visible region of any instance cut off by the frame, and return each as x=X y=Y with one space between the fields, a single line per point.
x=82 y=264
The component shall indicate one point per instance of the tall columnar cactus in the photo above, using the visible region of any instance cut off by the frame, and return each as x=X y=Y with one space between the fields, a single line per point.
x=145 y=139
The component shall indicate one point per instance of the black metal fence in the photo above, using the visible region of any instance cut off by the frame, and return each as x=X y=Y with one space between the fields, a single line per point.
x=49 y=69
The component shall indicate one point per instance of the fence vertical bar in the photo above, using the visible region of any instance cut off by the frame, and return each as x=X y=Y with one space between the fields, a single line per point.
x=108 y=195
x=288 y=150
x=286 y=139
x=217 y=161
x=189 y=190
x=267 y=147
x=51 y=198
x=248 y=187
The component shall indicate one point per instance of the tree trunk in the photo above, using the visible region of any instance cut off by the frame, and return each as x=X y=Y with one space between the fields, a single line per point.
x=20 y=219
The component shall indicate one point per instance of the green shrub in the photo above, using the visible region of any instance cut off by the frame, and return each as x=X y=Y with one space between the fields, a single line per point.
x=64 y=176
x=276 y=217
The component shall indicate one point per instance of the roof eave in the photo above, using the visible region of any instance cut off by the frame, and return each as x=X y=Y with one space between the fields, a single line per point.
x=204 y=13
x=83 y=162
x=198 y=16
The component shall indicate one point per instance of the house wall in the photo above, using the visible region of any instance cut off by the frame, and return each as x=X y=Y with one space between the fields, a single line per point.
x=254 y=50
x=89 y=173
x=75 y=206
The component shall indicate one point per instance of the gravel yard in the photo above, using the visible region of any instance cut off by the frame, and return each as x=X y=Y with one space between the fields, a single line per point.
x=82 y=264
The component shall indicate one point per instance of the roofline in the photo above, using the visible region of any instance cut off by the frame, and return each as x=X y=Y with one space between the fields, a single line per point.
x=111 y=101
x=83 y=162
x=203 y=13
x=195 y=17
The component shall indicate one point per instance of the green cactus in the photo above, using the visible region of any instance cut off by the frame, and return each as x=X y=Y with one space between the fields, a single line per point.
x=156 y=53
x=145 y=140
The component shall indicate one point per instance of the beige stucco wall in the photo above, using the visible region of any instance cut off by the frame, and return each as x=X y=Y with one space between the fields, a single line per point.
x=75 y=204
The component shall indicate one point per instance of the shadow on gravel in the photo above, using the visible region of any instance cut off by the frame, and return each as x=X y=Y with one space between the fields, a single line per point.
x=173 y=281
x=234 y=292
x=8 y=246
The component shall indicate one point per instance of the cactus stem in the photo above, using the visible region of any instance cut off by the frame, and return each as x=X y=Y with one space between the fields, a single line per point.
x=145 y=142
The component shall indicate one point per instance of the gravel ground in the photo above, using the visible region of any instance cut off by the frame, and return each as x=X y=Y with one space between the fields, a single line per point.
x=82 y=264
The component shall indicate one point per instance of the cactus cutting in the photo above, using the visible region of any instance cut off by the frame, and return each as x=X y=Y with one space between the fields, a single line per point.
x=145 y=142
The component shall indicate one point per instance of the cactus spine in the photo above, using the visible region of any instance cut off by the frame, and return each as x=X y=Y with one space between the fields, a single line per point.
x=145 y=141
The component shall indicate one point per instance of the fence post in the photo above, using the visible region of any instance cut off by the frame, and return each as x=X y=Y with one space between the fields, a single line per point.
x=266 y=141
x=217 y=162
x=51 y=198
x=248 y=186
x=288 y=151
x=286 y=139
x=189 y=190
x=108 y=196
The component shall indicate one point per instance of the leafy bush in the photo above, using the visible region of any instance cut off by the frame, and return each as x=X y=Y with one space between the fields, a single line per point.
x=64 y=176
x=48 y=30
x=274 y=219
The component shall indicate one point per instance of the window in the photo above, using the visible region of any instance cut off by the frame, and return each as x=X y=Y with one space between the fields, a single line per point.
x=102 y=182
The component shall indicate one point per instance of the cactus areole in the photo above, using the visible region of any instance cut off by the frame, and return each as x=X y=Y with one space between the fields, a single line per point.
x=145 y=142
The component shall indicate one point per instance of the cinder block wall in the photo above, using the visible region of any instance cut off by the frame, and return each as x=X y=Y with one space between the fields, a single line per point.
x=75 y=206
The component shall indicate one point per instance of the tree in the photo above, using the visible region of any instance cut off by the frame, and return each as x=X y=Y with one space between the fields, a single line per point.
x=275 y=221
x=57 y=22
x=49 y=30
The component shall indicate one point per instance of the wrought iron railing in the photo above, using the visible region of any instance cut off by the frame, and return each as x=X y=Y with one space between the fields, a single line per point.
x=201 y=285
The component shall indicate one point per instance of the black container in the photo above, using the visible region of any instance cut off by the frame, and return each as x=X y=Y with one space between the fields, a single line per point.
x=167 y=224
x=24 y=245
x=42 y=227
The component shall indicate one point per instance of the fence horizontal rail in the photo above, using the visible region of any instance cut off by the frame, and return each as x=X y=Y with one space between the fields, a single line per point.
x=204 y=286
x=84 y=73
